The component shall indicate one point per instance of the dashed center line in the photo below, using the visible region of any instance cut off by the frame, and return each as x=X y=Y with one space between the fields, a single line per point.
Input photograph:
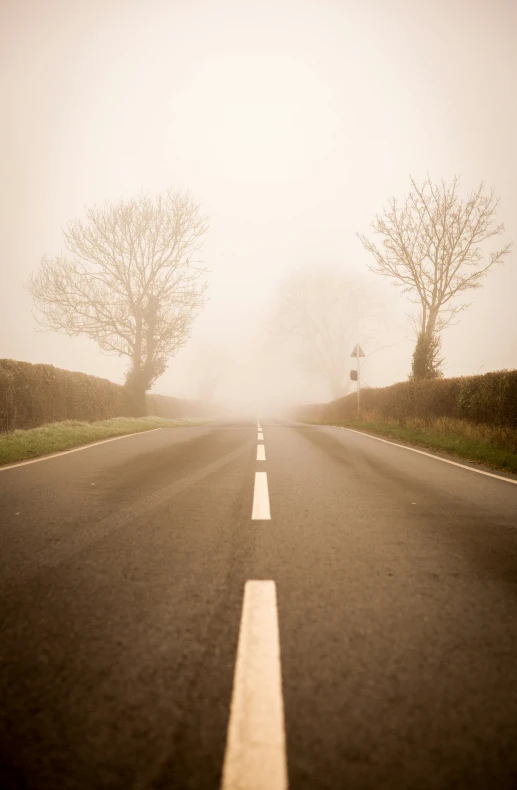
x=261 y=452
x=261 y=510
x=255 y=757
x=260 y=436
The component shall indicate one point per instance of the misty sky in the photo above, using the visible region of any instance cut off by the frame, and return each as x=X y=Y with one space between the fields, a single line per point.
x=291 y=122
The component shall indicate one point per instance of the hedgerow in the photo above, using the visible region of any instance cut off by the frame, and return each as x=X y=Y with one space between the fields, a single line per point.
x=34 y=395
x=489 y=399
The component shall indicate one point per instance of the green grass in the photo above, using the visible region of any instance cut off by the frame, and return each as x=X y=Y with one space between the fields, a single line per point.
x=53 y=437
x=493 y=446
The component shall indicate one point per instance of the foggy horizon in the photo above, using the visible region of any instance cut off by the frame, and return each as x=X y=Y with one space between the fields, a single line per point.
x=292 y=125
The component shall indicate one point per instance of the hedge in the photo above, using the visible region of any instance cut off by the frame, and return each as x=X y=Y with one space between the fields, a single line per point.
x=490 y=399
x=168 y=407
x=33 y=395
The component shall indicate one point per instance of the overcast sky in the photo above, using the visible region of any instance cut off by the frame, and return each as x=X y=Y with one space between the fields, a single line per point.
x=291 y=122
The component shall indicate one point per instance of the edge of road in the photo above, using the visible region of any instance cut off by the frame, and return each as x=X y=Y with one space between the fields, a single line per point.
x=445 y=458
x=58 y=453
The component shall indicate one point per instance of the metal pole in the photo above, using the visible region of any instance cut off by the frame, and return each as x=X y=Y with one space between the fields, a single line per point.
x=358 y=379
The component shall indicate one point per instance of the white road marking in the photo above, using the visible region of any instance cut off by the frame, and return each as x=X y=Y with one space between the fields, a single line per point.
x=74 y=449
x=261 y=510
x=255 y=757
x=260 y=436
x=261 y=452
x=429 y=455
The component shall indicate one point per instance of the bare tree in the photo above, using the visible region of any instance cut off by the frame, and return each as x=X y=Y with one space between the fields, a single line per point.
x=317 y=319
x=132 y=282
x=431 y=248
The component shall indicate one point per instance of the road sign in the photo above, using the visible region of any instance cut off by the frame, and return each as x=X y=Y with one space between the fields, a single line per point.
x=357 y=352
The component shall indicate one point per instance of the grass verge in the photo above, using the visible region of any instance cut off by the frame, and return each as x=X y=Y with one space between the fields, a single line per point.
x=492 y=446
x=53 y=437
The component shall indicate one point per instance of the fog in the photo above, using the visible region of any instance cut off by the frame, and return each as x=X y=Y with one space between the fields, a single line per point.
x=291 y=123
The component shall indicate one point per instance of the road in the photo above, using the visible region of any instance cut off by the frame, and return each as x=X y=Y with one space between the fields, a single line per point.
x=376 y=641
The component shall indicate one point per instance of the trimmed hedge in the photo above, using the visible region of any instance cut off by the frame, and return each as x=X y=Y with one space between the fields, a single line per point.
x=174 y=408
x=490 y=399
x=33 y=395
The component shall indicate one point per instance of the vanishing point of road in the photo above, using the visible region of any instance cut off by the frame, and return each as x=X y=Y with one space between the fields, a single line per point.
x=254 y=606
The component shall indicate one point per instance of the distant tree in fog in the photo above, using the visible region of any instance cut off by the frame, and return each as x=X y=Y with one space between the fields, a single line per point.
x=209 y=367
x=317 y=318
x=431 y=248
x=131 y=282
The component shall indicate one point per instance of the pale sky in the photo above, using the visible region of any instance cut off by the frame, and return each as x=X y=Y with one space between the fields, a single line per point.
x=291 y=123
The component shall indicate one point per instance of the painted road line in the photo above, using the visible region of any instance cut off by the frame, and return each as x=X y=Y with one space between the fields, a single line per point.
x=260 y=436
x=261 y=510
x=74 y=450
x=430 y=455
x=261 y=452
x=255 y=757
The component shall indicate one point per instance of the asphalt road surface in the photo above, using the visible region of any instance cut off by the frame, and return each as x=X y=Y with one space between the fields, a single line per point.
x=352 y=603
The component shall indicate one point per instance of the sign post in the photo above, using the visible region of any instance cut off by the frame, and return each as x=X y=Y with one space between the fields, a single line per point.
x=358 y=353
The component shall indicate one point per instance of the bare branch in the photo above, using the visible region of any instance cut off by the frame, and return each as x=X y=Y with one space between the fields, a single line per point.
x=316 y=320
x=431 y=248
x=130 y=280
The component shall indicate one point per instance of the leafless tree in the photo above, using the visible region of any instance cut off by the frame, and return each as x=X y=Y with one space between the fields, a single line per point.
x=131 y=281
x=317 y=319
x=431 y=248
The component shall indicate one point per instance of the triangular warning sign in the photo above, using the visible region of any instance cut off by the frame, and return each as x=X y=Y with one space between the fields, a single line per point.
x=357 y=352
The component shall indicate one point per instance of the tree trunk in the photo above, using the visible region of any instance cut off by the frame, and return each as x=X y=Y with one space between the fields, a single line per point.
x=426 y=364
x=135 y=379
x=137 y=404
